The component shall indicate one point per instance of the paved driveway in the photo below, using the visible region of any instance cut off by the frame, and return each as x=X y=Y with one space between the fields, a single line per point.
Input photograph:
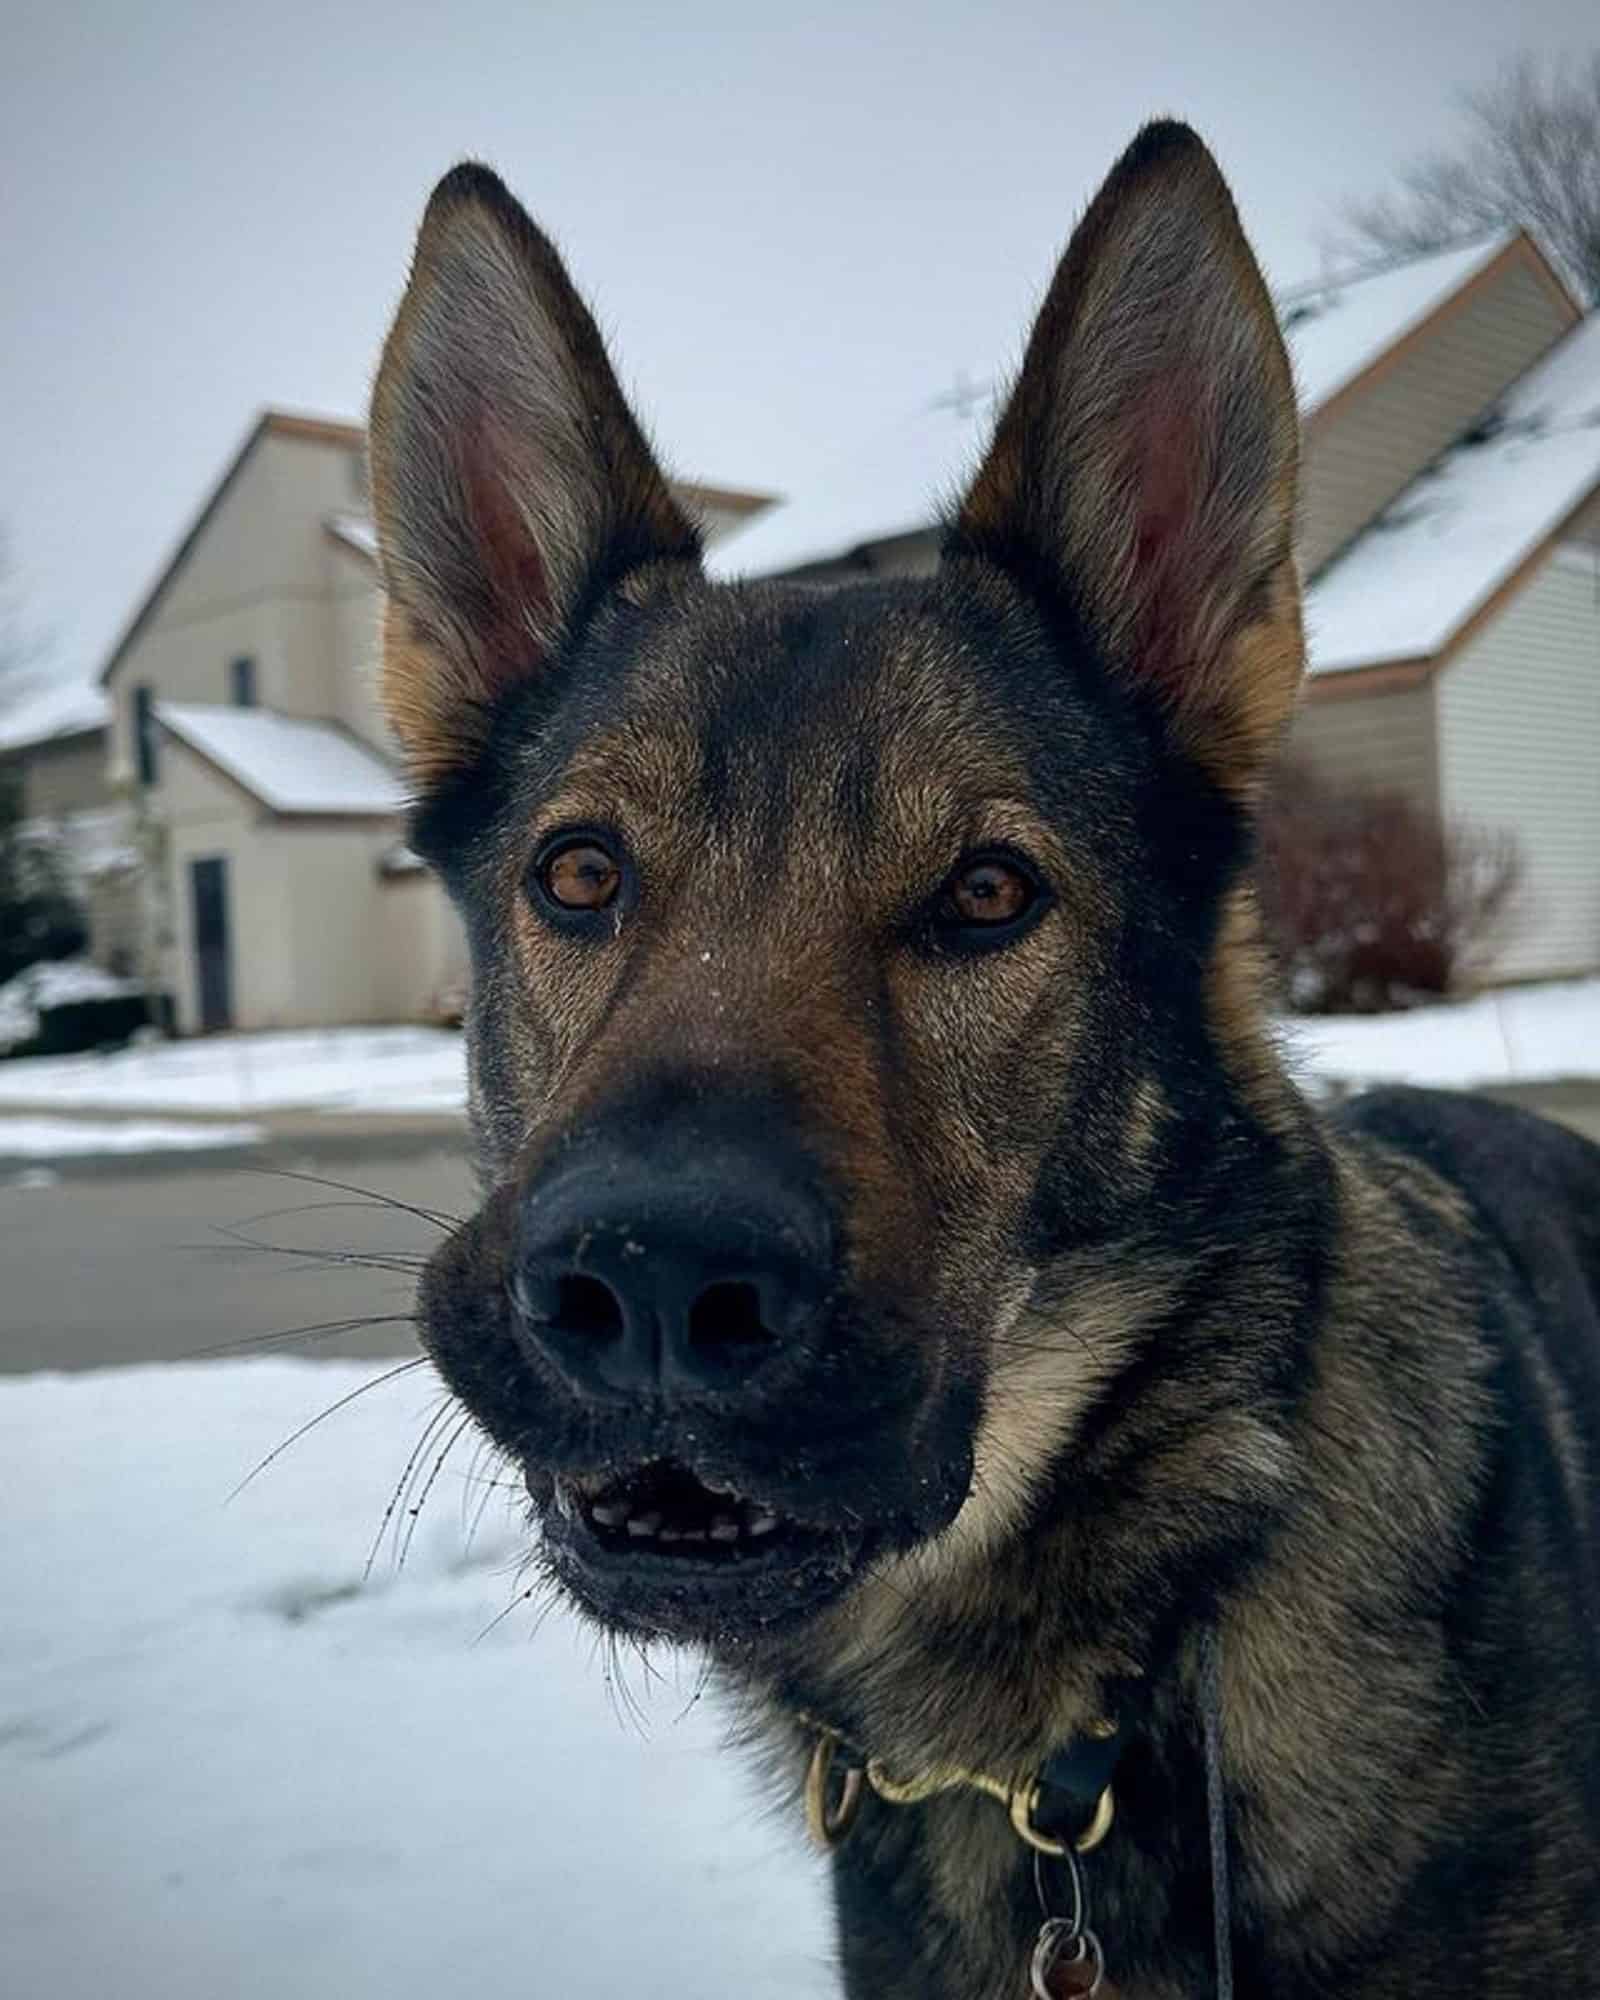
x=131 y=1261
x=137 y=1263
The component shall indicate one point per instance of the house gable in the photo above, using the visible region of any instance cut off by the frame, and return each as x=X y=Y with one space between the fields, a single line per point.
x=249 y=580
x=1377 y=431
x=1464 y=536
x=1393 y=367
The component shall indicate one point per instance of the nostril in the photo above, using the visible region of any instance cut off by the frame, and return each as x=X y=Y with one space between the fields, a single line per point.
x=588 y=1307
x=727 y=1314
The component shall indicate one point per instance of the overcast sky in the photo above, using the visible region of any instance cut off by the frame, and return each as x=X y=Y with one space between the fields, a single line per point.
x=797 y=225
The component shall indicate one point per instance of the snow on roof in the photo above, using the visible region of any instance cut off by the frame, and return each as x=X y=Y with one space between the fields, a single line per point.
x=898 y=482
x=1338 y=327
x=67 y=708
x=355 y=531
x=1439 y=551
x=291 y=765
x=896 y=485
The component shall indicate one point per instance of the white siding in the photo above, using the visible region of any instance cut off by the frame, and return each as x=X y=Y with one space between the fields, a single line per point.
x=308 y=934
x=335 y=939
x=357 y=603
x=1372 y=742
x=424 y=948
x=205 y=815
x=66 y=775
x=257 y=581
x=1519 y=748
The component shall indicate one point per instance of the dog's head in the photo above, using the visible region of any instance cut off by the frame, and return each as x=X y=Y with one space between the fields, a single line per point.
x=855 y=971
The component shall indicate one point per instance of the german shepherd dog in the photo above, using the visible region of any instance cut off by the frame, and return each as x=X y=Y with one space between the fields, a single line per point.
x=905 y=1268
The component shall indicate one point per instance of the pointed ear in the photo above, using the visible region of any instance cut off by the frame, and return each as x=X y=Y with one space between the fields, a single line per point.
x=512 y=486
x=1142 y=476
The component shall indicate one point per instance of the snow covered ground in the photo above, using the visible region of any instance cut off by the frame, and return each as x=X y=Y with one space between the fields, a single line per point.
x=230 y=1767
x=1521 y=1034
x=366 y=1070
x=65 y=1138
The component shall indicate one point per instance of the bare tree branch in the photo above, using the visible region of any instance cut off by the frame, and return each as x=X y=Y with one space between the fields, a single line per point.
x=1530 y=159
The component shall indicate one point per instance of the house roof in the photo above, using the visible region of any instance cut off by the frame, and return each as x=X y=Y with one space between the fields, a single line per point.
x=1337 y=327
x=1338 y=330
x=291 y=765
x=270 y=423
x=1436 y=555
x=44 y=714
x=897 y=483
x=358 y=532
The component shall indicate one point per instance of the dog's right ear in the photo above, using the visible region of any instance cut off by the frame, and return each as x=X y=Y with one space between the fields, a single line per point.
x=512 y=485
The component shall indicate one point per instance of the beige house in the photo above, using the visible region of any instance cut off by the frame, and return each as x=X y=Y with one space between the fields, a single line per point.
x=230 y=789
x=1450 y=541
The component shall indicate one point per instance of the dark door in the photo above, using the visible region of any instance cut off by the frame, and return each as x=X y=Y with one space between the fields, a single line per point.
x=208 y=891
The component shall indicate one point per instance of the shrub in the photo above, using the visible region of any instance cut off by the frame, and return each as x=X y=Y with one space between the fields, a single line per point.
x=40 y=917
x=77 y=1026
x=1373 y=903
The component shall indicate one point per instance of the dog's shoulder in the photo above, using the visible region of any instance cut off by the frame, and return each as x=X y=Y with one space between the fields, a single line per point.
x=1530 y=1180
x=1533 y=1190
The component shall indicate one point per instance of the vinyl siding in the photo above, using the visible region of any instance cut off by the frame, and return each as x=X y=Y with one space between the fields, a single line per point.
x=205 y=814
x=357 y=603
x=1375 y=742
x=1366 y=450
x=423 y=947
x=66 y=775
x=1519 y=748
x=256 y=582
x=307 y=923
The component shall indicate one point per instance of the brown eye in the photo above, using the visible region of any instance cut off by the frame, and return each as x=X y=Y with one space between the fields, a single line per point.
x=582 y=876
x=986 y=904
x=990 y=892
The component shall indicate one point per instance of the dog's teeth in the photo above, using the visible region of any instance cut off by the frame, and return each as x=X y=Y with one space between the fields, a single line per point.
x=694 y=1534
x=643 y=1526
x=762 y=1520
x=610 y=1513
x=724 y=1529
x=671 y=1534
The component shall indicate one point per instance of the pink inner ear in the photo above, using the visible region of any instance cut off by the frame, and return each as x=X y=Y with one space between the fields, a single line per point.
x=1169 y=577
x=513 y=625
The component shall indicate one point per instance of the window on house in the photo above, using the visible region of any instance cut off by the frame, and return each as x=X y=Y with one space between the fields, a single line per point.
x=144 y=732
x=242 y=674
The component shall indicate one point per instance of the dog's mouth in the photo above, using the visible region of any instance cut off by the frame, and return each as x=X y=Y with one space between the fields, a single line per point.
x=664 y=1511
x=661 y=1549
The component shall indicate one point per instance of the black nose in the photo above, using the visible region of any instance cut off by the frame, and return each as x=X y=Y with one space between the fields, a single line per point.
x=634 y=1284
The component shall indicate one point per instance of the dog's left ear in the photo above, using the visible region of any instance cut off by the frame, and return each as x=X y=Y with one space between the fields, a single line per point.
x=1142 y=476
x=513 y=488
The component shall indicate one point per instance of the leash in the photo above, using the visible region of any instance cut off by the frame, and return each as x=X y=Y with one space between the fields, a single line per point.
x=1217 y=1812
x=1062 y=1814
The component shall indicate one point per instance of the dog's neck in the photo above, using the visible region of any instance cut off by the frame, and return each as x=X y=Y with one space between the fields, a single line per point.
x=1017 y=1629
x=1251 y=1510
